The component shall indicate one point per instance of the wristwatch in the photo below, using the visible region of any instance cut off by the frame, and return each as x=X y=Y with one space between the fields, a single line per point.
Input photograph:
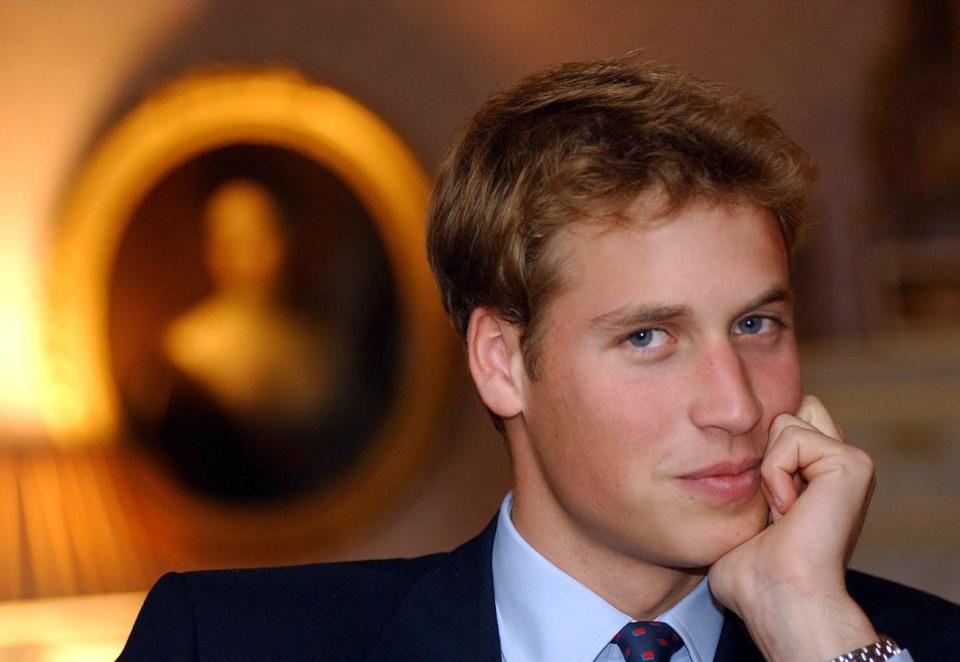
x=878 y=651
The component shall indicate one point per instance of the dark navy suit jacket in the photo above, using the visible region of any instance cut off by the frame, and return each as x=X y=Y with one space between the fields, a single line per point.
x=437 y=608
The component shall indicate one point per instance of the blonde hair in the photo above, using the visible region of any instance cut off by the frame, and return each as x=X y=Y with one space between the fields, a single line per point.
x=581 y=141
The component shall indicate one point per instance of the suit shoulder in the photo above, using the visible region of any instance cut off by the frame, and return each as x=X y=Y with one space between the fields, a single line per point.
x=924 y=623
x=289 y=581
x=319 y=589
x=164 y=629
x=318 y=611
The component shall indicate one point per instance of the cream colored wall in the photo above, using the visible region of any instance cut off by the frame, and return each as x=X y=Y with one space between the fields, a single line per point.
x=67 y=67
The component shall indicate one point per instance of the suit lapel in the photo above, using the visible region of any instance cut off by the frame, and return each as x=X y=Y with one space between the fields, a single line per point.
x=735 y=644
x=449 y=613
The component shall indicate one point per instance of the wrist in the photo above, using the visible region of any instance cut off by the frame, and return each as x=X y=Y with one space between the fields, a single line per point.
x=782 y=631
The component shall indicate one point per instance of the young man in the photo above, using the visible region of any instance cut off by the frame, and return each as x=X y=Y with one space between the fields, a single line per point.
x=612 y=240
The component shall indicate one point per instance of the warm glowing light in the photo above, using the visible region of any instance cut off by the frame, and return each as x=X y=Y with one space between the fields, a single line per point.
x=61 y=629
x=82 y=652
x=19 y=330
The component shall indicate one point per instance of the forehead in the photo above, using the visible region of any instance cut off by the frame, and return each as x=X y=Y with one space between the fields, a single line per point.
x=705 y=253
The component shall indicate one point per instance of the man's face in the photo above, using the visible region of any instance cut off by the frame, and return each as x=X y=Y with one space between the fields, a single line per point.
x=666 y=355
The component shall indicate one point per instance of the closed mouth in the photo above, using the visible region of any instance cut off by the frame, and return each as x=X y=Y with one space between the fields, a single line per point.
x=729 y=480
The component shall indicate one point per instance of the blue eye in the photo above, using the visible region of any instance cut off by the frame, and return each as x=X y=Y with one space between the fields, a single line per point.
x=645 y=338
x=753 y=324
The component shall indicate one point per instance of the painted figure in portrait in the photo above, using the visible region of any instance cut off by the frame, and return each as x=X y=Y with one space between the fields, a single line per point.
x=258 y=368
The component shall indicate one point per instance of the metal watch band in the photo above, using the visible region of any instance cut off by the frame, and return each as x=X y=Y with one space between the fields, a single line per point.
x=878 y=651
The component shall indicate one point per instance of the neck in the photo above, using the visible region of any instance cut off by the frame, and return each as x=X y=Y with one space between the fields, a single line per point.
x=639 y=588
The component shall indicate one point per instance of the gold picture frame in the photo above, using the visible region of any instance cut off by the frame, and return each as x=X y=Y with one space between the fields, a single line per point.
x=190 y=116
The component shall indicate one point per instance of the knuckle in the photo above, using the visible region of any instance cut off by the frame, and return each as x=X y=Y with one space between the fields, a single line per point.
x=812 y=400
x=862 y=458
x=768 y=470
x=779 y=422
x=792 y=430
x=859 y=464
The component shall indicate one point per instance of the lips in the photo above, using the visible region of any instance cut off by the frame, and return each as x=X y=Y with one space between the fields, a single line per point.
x=730 y=480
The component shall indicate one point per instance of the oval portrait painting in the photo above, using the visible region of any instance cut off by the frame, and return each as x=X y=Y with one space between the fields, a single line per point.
x=240 y=293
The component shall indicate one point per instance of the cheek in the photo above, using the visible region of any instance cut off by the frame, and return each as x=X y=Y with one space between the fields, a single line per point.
x=777 y=385
x=625 y=414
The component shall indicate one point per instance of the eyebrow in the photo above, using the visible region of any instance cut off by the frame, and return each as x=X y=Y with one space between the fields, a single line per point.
x=635 y=317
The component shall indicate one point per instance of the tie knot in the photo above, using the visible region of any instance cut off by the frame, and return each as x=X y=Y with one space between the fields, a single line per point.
x=646 y=641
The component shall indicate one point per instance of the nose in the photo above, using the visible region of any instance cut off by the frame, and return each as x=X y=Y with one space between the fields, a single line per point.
x=723 y=396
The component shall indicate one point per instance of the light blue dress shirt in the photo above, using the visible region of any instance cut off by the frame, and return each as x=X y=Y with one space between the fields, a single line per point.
x=545 y=614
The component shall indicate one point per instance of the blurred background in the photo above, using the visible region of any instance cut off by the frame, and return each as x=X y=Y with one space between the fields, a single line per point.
x=157 y=247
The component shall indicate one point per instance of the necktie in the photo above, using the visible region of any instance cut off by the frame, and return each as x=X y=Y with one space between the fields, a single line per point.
x=646 y=641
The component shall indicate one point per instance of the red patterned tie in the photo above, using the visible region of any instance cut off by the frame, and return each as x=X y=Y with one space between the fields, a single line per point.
x=646 y=641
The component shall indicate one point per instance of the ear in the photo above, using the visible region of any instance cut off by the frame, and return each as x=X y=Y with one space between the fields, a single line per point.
x=496 y=362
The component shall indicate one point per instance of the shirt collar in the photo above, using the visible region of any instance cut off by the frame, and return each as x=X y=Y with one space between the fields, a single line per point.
x=543 y=613
x=698 y=619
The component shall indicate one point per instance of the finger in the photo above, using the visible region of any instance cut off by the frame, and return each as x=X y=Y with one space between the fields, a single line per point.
x=780 y=491
x=813 y=412
x=783 y=421
x=775 y=513
x=798 y=484
x=797 y=451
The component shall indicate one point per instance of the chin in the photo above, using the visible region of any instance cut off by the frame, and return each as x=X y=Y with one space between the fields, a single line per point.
x=735 y=533
x=714 y=539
